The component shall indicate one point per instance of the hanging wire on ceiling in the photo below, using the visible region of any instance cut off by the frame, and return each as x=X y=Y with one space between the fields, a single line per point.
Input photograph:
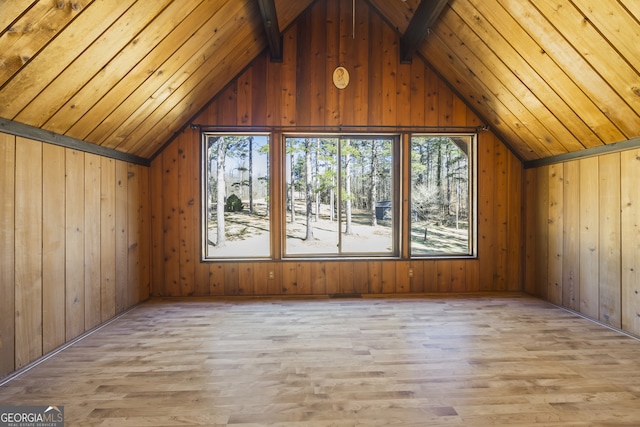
x=353 y=19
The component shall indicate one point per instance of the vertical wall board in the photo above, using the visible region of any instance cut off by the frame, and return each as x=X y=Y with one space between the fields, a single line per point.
x=514 y=230
x=472 y=276
x=260 y=278
x=244 y=110
x=259 y=102
x=74 y=246
x=318 y=278
x=7 y=249
x=458 y=275
x=289 y=278
x=246 y=278
x=201 y=285
x=170 y=221
x=360 y=69
x=303 y=278
x=417 y=276
x=304 y=68
x=360 y=277
x=609 y=239
x=556 y=235
x=144 y=285
x=333 y=277
x=376 y=103
x=53 y=247
x=430 y=269
x=274 y=286
x=134 y=234
x=417 y=88
x=589 y=250
x=630 y=230
x=445 y=104
x=390 y=55
x=274 y=94
x=403 y=94
x=530 y=231
x=486 y=205
x=157 y=232
x=403 y=281
x=346 y=285
x=571 y=236
x=92 y=229
x=216 y=279
x=443 y=271
x=122 y=236
x=232 y=285
x=28 y=251
x=287 y=99
x=542 y=228
x=374 y=274
x=188 y=229
x=431 y=97
x=500 y=218
x=388 y=276
x=332 y=60
x=107 y=239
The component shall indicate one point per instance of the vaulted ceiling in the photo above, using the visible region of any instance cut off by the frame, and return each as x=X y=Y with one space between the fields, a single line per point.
x=550 y=77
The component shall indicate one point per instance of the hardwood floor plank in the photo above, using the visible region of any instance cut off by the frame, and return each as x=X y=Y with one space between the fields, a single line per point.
x=474 y=360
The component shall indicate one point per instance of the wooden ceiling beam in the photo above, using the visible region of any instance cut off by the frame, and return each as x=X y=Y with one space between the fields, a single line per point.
x=425 y=16
x=270 y=20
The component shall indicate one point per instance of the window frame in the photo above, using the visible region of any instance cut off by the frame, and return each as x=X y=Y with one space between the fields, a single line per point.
x=472 y=233
x=396 y=152
x=402 y=175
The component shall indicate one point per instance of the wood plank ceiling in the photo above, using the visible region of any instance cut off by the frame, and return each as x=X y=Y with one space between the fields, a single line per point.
x=549 y=76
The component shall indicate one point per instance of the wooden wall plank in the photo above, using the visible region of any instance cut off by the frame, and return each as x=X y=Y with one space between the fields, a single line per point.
x=53 y=247
x=571 y=245
x=74 y=249
x=542 y=231
x=7 y=249
x=133 y=235
x=143 y=286
x=122 y=233
x=530 y=264
x=170 y=221
x=92 y=238
x=630 y=248
x=556 y=233
x=188 y=224
x=589 y=247
x=609 y=239
x=108 y=239
x=28 y=252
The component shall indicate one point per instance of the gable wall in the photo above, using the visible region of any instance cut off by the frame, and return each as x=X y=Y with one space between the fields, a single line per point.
x=299 y=92
x=74 y=229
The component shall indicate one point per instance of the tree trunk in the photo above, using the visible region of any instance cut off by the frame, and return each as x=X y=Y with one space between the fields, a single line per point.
x=347 y=190
x=292 y=200
x=220 y=226
x=308 y=188
x=374 y=187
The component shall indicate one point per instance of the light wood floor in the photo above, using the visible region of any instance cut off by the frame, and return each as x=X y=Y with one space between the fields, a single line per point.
x=437 y=361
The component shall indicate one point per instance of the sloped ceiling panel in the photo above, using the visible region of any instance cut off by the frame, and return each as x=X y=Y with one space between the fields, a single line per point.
x=126 y=74
x=550 y=76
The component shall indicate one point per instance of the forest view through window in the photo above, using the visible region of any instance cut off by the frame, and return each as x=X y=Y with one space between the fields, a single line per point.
x=441 y=195
x=340 y=197
x=236 y=196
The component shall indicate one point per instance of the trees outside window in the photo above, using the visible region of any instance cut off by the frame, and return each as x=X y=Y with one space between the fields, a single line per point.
x=441 y=195
x=334 y=185
x=236 y=196
x=338 y=196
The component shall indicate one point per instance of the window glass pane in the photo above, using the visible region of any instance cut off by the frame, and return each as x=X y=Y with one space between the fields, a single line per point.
x=236 y=196
x=337 y=184
x=441 y=200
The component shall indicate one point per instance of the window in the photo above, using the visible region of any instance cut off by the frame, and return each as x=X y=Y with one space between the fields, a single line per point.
x=340 y=196
x=442 y=203
x=236 y=196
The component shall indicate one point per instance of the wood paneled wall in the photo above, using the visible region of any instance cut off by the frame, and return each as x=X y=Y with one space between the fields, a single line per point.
x=583 y=250
x=299 y=92
x=74 y=233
